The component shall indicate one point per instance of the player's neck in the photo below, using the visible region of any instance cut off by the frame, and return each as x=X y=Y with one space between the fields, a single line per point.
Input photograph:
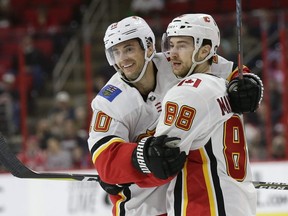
x=202 y=68
x=147 y=83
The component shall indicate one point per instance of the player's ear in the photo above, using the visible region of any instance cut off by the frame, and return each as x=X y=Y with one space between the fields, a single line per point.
x=150 y=50
x=204 y=51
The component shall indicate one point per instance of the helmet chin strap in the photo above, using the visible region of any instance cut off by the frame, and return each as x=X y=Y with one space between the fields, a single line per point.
x=147 y=60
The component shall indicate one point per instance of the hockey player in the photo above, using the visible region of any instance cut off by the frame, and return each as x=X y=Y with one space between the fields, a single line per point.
x=216 y=179
x=126 y=110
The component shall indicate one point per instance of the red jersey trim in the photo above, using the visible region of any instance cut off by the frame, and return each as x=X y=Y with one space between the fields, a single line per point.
x=105 y=146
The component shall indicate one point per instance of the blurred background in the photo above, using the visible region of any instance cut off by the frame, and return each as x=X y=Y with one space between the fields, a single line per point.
x=52 y=64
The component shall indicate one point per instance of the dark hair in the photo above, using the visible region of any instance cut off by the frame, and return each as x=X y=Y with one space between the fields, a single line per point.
x=148 y=41
x=208 y=42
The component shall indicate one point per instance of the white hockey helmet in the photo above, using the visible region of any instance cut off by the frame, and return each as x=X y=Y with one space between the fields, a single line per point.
x=127 y=29
x=198 y=26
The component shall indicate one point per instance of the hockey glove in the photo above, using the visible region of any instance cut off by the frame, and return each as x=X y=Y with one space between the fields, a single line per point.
x=112 y=189
x=153 y=155
x=245 y=95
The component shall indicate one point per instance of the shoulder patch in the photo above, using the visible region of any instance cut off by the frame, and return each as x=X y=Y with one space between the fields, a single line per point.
x=110 y=92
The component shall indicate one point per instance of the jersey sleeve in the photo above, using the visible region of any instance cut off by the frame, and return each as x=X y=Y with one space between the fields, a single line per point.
x=221 y=67
x=226 y=69
x=111 y=153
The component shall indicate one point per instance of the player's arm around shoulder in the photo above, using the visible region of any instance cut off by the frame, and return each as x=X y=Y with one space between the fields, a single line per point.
x=111 y=153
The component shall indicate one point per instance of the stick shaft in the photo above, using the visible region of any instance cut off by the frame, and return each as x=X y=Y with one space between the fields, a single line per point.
x=19 y=170
x=239 y=37
x=270 y=185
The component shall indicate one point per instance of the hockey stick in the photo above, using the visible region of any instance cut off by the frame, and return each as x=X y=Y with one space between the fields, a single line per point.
x=18 y=169
x=239 y=38
x=270 y=185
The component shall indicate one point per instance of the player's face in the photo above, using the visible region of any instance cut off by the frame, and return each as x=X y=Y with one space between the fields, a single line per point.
x=129 y=57
x=181 y=49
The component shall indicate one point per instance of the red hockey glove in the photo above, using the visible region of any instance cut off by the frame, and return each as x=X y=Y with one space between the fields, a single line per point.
x=153 y=156
x=245 y=95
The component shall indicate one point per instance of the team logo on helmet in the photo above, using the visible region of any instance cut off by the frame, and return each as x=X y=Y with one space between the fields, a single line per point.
x=113 y=26
x=206 y=19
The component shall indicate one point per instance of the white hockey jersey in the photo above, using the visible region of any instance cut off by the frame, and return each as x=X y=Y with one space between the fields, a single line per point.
x=216 y=179
x=121 y=115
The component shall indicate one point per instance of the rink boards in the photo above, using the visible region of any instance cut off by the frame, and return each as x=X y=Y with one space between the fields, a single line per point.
x=68 y=198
